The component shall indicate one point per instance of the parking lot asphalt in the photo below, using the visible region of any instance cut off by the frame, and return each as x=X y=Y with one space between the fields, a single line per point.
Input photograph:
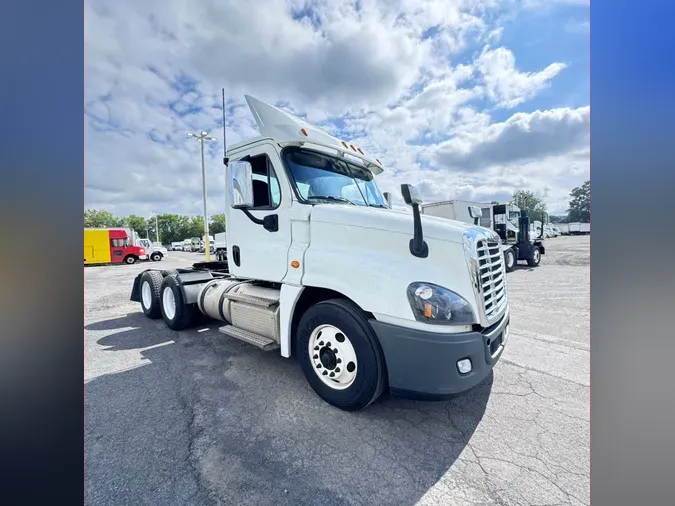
x=195 y=417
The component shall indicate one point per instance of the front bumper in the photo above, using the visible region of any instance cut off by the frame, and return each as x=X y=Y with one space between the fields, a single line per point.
x=143 y=257
x=423 y=364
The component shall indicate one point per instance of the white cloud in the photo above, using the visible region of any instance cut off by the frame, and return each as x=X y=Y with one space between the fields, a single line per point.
x=522 y=137
x=385 y=73
x=507 y=86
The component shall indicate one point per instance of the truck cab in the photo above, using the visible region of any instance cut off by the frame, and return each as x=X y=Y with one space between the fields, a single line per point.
x=318 y=265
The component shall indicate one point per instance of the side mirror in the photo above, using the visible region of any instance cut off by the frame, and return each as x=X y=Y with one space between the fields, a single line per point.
x=475 y=212
x=387 y=197
x=240 y=185
x=411 y=195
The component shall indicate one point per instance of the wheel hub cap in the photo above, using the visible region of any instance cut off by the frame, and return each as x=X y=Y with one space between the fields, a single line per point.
x=333 y=357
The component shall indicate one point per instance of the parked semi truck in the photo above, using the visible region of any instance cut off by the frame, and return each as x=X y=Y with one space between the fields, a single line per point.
x=520 y=238
x=111 y=245
x=318 y=266
x=220 y=246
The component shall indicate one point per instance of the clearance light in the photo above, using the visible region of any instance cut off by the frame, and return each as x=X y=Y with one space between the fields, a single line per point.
x=345 y=144
x=304 y=132
x=295 y=264
x=378 y=161
x=353 y=148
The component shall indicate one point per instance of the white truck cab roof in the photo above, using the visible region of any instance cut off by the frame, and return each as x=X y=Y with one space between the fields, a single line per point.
x=289 y=130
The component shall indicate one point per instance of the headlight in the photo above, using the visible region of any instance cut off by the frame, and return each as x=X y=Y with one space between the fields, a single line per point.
x=437 y=305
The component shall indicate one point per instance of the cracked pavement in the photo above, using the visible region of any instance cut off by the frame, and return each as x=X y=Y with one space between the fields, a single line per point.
x=195 y=417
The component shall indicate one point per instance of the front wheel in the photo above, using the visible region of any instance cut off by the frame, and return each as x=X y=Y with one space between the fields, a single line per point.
x=535 y=259
x=130 y=260
x=509 y=260
x=156 y=257
x=340 y=355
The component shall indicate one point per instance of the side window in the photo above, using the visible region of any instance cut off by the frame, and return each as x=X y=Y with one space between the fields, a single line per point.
x=266 y=189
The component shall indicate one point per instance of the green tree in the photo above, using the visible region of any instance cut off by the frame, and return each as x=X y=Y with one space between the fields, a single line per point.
x=139 y=224
x=558 y=219
x=580 y=204
x=528 y=201
x=217 y=224
x=100 y=219
x=196 y=227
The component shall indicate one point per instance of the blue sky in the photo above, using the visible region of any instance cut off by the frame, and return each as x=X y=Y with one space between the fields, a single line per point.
x=467 y=99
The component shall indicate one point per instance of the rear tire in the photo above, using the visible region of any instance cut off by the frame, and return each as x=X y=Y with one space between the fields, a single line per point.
x=130 y=260
x=364 y=370
x=509 y=260
x=535 y=259
x=176 y=313
x=151 y=282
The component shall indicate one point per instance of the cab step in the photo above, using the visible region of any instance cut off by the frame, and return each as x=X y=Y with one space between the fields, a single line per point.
x=252 y=299
x=262 y=342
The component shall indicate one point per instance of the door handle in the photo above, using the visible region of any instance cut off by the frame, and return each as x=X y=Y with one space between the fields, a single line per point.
x=236 y=255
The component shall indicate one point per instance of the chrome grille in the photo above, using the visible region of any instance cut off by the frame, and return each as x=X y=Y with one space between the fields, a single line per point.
x=492 y=277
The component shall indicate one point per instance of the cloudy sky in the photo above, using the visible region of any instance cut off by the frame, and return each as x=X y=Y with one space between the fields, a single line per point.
x=464 y=98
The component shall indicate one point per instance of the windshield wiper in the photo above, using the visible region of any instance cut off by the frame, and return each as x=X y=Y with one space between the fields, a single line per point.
x=331 y=197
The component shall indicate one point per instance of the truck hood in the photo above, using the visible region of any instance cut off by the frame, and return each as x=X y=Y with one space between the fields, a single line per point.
x=388 y=220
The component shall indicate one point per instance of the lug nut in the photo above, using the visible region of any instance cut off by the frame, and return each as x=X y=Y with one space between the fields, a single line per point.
x=318 y=366
x=327 y=344
x=332 y=374
x=335 y=351
x=337 y=369
x=324 y=373
x=316 y=348
x=339 y=360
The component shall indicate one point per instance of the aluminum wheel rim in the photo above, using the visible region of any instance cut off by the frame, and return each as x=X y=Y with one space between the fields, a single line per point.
x=537 y=255
x=333 y=357
x=510 y=259
x=169 y=303
x=146 y=294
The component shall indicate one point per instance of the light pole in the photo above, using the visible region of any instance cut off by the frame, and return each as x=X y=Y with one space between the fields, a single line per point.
x=157 y=228
x=201 y=138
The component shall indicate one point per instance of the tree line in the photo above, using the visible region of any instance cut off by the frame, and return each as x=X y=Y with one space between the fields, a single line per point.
x=172 y=227
x=176 y=227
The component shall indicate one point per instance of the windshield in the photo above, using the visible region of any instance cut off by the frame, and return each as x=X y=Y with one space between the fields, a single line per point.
x=321 y=177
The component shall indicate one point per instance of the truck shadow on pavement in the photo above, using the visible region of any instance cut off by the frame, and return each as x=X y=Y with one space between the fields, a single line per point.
x=198 y=418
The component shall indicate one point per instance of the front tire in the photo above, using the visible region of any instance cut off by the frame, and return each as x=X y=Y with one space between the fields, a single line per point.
x=156 y=257
x=151 y=283
x=176 y=313
x=130 y=260
x=509 y=260
x=535 y=259
x=340 y=355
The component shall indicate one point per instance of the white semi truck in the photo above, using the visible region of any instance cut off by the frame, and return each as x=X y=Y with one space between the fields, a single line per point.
x=521 y=239
x=318 y=265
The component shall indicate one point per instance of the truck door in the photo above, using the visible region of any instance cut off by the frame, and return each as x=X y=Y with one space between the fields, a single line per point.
x=117 y=249
x=252 y=250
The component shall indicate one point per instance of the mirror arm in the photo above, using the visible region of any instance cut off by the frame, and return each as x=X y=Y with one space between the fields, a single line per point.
x=269 y=222
x=418 y=246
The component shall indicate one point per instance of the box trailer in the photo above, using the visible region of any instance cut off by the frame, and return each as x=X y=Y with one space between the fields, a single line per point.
x=318 y=266
x=111 y=246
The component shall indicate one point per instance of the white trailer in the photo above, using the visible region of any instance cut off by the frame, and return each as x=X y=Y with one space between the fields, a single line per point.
x=319 y=266
x=577 y=228
x=564 y=228
x=459 y=210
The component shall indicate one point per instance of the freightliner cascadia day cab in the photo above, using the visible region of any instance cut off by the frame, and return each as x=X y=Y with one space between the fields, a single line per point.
x=318 y=265
x=111 y=246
